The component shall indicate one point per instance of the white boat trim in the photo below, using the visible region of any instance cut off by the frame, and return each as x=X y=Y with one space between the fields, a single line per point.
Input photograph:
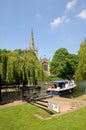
x=68 y=85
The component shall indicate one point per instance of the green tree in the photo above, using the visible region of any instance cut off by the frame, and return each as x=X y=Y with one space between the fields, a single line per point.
x=71 y=63
x=64 y=64
x=81 y=70
x=3 y=64
x=20 y=66
x=58 y=62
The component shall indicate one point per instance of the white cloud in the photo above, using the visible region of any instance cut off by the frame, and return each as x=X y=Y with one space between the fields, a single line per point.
x=58 y=21
x=70 y=5
x=82 y=14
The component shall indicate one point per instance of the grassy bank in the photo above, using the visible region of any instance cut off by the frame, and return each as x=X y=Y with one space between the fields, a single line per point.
x=22 y=117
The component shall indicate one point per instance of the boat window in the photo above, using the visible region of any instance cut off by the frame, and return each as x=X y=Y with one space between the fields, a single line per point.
x=61 y=85
x=55 y=85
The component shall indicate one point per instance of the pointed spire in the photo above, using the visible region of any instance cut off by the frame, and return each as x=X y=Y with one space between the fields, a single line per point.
x=32 y=46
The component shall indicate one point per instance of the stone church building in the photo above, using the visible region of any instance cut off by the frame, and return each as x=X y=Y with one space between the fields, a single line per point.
x=44 y=61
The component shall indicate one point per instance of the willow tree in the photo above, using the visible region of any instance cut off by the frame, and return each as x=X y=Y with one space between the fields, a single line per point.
x=20 y=66
x=12 y=67
x=81 y=70
x=3 y=64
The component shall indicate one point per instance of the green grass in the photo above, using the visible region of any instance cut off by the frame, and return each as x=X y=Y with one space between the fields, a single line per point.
x=22 y=117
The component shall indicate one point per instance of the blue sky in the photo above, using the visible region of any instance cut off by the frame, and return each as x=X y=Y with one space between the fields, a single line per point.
x=55 y=23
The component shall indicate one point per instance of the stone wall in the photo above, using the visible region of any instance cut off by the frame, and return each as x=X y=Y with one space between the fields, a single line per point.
x=10 y=95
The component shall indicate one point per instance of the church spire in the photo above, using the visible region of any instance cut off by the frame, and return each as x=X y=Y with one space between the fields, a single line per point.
x=32 y=46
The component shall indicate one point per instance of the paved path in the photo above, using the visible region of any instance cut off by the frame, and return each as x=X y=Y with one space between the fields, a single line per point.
x=12 y=104
x=68 y=104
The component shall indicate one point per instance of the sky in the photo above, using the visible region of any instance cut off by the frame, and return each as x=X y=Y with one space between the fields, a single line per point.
x=55 y=23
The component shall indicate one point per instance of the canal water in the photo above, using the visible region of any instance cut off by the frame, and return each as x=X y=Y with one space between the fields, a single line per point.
x=79 y=90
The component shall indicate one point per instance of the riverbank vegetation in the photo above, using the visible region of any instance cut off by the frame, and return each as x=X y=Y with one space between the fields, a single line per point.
x=23 y=66
x=80 y=73
x=20 y=66
x=64 y=64
x=69 y=66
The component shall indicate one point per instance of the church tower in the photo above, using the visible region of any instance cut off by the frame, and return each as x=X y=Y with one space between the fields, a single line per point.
x=32 y=45
x=45 y=64
x=44 y=61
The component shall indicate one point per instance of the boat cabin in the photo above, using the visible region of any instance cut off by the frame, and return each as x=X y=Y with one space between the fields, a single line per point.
x=61 y=86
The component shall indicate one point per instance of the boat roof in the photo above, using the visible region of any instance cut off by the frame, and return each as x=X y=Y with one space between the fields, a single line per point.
x=59 y=81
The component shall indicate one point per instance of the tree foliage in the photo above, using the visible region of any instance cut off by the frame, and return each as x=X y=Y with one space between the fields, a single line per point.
x=57 y=61
x=64 y=64
x=81 y=70
x=20 y=66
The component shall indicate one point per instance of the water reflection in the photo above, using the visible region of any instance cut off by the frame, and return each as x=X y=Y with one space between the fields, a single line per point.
x=79 y=90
